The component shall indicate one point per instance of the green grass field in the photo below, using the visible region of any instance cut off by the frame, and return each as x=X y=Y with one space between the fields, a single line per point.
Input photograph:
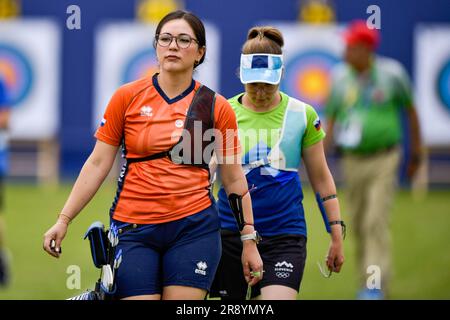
x=420 y=229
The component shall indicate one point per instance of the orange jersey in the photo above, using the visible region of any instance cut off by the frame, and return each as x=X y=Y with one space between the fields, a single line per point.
x=145 y=121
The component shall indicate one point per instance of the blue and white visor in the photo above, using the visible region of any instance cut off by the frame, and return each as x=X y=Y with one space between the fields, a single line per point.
x=261 y=67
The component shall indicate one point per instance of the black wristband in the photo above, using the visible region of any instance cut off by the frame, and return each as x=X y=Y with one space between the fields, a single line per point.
x=331 y=196
x=344 y=227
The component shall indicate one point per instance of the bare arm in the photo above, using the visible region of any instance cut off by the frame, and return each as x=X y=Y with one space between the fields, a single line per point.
x=92 y=175
x=416 y=144
x=4 y=118
x=322 y=182
x=234 y=181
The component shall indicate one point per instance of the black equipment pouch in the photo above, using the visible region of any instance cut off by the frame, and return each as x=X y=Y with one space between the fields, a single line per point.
x=98 y=241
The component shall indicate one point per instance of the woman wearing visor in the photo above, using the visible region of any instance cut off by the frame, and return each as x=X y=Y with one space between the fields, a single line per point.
x=276 y=131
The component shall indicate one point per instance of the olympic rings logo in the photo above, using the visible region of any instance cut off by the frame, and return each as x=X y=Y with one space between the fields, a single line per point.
x=283 y=275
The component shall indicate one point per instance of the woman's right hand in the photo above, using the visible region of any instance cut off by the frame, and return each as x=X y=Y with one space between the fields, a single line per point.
x=53 y=238
x=251 y=262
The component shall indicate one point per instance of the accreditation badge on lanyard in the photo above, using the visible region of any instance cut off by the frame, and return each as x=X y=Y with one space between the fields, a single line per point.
x=349 y=130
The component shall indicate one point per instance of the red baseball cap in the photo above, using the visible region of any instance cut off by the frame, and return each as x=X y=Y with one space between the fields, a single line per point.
x=358 y=32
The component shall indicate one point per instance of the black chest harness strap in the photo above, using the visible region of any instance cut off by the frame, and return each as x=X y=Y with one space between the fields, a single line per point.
x=188 y=150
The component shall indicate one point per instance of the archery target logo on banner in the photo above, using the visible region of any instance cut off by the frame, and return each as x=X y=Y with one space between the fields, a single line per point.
x=432 y=82
x=142 y=64
x=443 y=84
x=16 y=73
x=308 y=76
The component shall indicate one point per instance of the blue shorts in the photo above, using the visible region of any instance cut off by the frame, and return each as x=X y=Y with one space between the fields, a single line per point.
x=184 y=252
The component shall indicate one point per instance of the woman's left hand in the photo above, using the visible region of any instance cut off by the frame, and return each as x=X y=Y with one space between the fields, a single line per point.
x=335 y=257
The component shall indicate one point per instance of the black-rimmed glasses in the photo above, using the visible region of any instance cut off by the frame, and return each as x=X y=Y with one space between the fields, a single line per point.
x=183 y=41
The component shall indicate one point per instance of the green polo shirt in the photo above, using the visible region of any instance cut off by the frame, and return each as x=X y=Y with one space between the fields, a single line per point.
x=366 y=108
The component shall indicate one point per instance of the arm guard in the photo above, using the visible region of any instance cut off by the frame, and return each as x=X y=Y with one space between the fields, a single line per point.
x=323 y=212
x=235 y=202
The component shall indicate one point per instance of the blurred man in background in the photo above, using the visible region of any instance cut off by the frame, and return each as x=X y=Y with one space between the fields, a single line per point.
x=364 y=112
x=4 y=121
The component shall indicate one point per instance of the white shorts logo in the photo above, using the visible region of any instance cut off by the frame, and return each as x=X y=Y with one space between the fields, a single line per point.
x=201 y=268
x=283 y=269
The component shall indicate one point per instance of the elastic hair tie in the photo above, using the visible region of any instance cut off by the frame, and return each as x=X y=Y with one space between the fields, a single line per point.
x=261 y=34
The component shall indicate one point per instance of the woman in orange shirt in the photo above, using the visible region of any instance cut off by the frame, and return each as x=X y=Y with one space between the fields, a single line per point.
x=171 y=246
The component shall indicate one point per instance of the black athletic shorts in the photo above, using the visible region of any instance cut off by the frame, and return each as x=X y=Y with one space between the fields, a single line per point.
x=283 y=257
